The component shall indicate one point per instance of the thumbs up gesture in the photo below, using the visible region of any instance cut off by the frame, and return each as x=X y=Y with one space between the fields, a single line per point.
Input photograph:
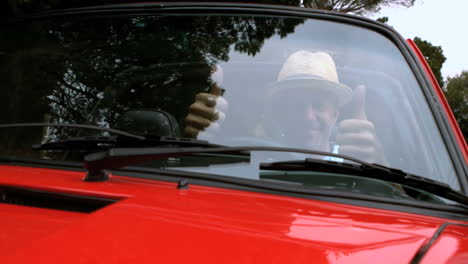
x=207 y=113
x=205 y=116
x=356 y=135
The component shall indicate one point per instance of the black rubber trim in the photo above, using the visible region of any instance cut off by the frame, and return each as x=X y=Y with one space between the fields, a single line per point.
x=448 y=136
x=299 y=191
x=42 y=163
x=51 y=200
x=276 y=188
x=424 y=249
x=232 y=8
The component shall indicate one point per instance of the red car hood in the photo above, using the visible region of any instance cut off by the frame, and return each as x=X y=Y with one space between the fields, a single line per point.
x=154 y=221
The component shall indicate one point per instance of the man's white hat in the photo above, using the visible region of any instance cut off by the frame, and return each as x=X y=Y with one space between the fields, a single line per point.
x=314 y=71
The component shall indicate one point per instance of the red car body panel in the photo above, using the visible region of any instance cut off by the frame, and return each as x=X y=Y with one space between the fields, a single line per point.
x=451 y=246
x=153 y=221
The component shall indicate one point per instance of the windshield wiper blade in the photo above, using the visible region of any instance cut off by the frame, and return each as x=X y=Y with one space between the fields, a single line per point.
x=101 y=143
x=115 y=158
x=372 y=171
x=97 y=165
x=81 y=126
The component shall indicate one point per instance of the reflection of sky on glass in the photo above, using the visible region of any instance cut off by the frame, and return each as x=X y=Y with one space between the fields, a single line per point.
x=439 y=22
x=350 y=47
x=343 y=42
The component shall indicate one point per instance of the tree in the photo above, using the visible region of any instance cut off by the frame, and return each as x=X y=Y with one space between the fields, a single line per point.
x=90 y=71
x=434 y=56
x=360 y=7
x=457 y=96
x=382 y=19
x=75 y=76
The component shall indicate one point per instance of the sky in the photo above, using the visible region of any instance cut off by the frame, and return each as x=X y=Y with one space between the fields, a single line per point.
x=442 y=23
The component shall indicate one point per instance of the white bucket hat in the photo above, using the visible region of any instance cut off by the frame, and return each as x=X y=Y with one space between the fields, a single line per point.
x=314 y=71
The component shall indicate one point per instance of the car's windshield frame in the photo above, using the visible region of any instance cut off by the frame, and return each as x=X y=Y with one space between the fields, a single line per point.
x=213 y=9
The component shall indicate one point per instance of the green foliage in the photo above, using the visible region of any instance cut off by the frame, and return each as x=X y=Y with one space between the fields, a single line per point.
x=457 y=96
x=90 y=71
x=434 y=56
x=62 y=69
x=361 y=7
x=457 y=88
x=382 y=19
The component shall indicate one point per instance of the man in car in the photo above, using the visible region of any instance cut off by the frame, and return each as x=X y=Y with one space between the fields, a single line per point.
x=307 y=94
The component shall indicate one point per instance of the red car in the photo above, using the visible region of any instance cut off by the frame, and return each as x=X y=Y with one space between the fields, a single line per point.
x=223 y=133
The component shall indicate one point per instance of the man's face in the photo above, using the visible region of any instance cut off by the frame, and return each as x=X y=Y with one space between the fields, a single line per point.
x=320 y=117
x=307 y=120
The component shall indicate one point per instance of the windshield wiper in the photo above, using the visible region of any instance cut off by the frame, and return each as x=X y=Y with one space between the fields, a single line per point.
x=115 y=158
x=101 y=143
x=97 y=165
x=81 y=126
x=372 y=171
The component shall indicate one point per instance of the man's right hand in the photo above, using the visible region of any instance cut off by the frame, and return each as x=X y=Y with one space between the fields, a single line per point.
x=206 y=113
x=356 y=134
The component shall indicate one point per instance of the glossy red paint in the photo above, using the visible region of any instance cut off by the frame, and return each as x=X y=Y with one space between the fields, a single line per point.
x=440 y=94
x=29 y=224
x=450 y=247
x=155 y=222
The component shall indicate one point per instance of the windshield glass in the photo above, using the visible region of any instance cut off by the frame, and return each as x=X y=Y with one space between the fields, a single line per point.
x=231 y=80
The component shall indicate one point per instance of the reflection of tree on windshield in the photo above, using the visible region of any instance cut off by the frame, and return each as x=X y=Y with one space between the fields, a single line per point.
x=21 y=7
x=91 y=70
x=25 y=83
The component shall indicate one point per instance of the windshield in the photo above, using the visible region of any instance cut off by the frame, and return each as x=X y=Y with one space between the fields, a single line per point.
x=231 y=80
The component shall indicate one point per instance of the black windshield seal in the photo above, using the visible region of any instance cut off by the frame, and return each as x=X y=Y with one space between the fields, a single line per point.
x=98 y=163
x=298 y=191
x=266 y=187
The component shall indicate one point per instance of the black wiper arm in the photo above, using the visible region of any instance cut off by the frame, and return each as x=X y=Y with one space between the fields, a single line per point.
x=115 y=158
x=101 y=143
x=373 y=171
x=110 y=130
x=98 y=163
